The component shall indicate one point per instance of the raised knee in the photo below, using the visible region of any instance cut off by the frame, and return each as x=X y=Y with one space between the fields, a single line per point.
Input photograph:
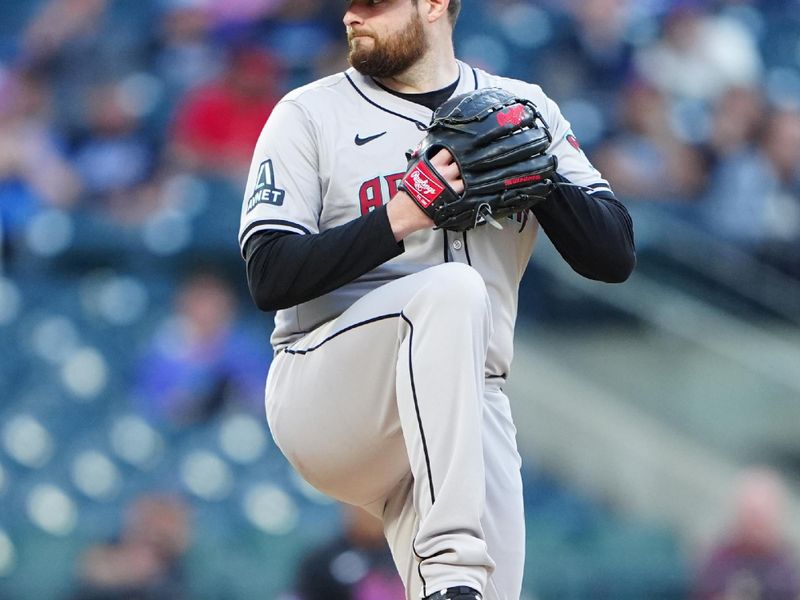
x=456 y=285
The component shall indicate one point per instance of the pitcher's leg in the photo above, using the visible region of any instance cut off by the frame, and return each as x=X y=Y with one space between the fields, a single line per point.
x=400 y=524
x=332 y=412
x=396 y=384
x=440 y=385
x=503 y=520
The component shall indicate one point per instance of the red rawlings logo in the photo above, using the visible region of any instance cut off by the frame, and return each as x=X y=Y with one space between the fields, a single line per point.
x=513 y=116
x=423 y=184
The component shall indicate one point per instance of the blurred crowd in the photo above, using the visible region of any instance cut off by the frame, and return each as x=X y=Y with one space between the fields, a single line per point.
x=109 y=107
x=101 y=108
x=751 y=559
x=692 y=104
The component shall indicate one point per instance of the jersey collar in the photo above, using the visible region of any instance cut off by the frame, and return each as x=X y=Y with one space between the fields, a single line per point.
x=400 y=107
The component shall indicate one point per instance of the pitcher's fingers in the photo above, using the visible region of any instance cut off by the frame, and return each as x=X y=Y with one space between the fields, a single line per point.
x=443 y=162
x=442 y=158
x=446 y=166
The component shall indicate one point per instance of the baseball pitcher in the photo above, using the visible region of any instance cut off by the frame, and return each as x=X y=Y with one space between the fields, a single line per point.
x=388 y=218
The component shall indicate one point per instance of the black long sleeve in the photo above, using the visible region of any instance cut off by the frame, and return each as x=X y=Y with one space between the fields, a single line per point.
x=593 y=233
x=286 y=269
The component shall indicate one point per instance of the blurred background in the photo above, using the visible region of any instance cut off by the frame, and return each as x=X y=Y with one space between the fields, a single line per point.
x=659 y=420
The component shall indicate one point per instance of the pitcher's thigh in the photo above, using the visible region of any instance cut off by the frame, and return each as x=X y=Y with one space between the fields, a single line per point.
x=332 y=411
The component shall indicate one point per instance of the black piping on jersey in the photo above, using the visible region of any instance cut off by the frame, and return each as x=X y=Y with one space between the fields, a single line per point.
x=261 y=222
x=447 y=248
x=420 y=125
x=430 y=100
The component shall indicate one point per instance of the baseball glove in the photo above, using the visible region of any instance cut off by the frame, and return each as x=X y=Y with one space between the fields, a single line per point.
x=499 y=143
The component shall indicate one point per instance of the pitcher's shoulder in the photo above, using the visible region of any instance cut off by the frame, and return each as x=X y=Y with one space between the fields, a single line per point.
x=320 y=93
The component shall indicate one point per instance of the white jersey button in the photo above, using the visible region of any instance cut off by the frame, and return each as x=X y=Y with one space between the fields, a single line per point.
x=457 y=245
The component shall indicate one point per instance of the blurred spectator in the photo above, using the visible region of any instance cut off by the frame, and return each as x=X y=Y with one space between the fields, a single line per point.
x=80 y=43
x=114 y=157
x=305 y=35
x=355 y=566
x=591 y=55
x=200 y=360
x=753 y=561
x=217 y=125
x=145 y=563
x=33 y=170
x=700 y=55
x=646 y=160
x=241 y=11
x=755 y=197
x=737 y=120
x=59 y=23
x=186 y=55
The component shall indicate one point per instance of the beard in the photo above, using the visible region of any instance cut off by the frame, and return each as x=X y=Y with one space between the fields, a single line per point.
x=391 y=56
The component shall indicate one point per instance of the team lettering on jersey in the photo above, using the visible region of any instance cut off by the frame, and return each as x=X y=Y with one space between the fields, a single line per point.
x=265 y=190
x=378 y=191
x=336 y=152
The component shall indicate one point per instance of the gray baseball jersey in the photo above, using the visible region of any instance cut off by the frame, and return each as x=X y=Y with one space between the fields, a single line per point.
x=387 y=392
x=335 y=149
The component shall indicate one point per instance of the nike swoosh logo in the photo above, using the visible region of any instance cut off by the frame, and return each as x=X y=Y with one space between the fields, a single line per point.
x=361 y=141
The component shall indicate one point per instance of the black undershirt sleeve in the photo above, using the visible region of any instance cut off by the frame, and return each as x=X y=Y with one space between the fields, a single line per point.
x=593 y=233
x=285 y=269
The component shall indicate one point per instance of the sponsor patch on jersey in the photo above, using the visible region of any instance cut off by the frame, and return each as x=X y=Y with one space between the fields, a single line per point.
x=265 y=191
x=573 y=141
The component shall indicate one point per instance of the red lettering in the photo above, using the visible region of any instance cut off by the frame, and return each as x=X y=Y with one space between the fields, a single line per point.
x=522 y=179
x=393 y=180
x=370 y=195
